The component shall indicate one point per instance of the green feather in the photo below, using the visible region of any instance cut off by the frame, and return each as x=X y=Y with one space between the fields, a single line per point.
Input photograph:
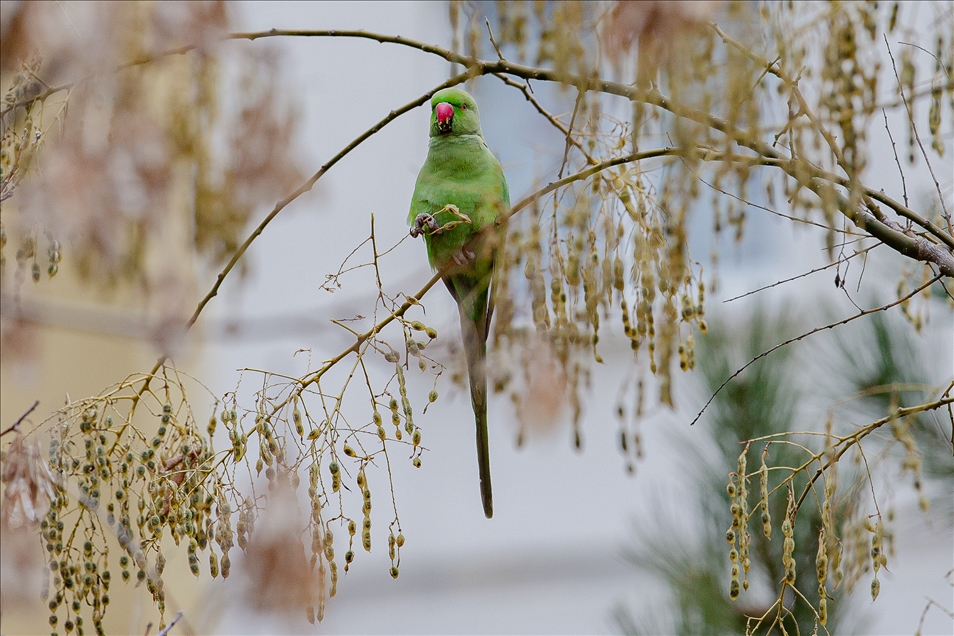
x=461 y=171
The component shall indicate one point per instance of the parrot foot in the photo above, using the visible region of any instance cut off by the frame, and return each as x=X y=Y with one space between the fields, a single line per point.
x=464 y=257
x=422 y=221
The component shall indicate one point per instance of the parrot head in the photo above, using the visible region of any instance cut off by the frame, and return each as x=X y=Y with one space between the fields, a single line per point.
x=454 y=112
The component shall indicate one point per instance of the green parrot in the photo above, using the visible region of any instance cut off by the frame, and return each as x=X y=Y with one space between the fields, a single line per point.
x=460 y=192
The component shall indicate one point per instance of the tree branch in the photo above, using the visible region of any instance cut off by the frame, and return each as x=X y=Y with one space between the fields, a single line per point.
x=16 y=425
x=811 y=333
x=912 y=247
x=316 y=375
x=863 y=432
x=305 y=187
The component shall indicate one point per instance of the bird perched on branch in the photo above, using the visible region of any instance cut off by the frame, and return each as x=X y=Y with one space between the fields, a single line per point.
x=461 y=191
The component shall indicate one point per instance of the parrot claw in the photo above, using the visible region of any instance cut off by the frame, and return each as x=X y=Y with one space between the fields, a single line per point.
x=424 y=220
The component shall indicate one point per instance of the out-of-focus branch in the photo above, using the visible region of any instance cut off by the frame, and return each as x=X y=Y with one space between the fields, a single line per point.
x=139 y=61
x=16 y=425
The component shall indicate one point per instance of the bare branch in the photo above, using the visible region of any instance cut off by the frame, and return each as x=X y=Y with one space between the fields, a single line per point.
x=16 y=425
x=811 y=333
x=863 y=432
x=894 y=148
x=172 y=623
x=788 y=280
x=414 y=300
x=394 y=114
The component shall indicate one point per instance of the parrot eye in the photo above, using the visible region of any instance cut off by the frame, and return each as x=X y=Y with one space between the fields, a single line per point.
x=463 y=106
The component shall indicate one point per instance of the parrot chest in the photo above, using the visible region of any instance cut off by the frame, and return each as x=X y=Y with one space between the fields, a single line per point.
x=465 y=175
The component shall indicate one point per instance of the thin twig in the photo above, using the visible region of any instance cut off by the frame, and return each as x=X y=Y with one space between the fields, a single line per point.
x=492 y=40
x=917 y=136
x=931 y=602
x=940 y=64
x=16 y=425
x=810 y=333
x=788 y=280
x=857 y=436
x=569 y=132
x=894 y=148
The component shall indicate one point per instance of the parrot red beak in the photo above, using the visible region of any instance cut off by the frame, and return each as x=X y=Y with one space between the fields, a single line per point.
x=445 y=114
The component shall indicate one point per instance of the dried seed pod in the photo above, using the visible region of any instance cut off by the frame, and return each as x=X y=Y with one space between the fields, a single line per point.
x=766 y=516
x=296 y=418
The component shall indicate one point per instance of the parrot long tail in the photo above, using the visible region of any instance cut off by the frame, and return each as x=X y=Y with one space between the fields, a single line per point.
x=474 y=335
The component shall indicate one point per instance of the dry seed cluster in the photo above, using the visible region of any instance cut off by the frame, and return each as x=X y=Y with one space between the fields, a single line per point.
x=738 y=532
x=901 y=430
x=613 y=250
x=627 y=436
x=330 y=447
x=135 y=489
x=878 y=557
x=766 y=516
x=788 y=543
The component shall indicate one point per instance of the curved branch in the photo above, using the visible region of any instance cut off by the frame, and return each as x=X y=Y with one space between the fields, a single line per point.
x=860 y=434
x=912 y=247
x=305 y=187
x=811 y=333
x=16 y=425
x=360 y=339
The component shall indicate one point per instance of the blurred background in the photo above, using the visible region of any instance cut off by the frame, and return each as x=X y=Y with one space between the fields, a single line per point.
x=579 y=543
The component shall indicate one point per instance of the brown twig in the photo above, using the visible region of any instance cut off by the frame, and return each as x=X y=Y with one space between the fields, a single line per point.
x=860 y=434
x=788 y=280
x=810 y=333
x=411 y=301
x=894 y=148
x=16 y=425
